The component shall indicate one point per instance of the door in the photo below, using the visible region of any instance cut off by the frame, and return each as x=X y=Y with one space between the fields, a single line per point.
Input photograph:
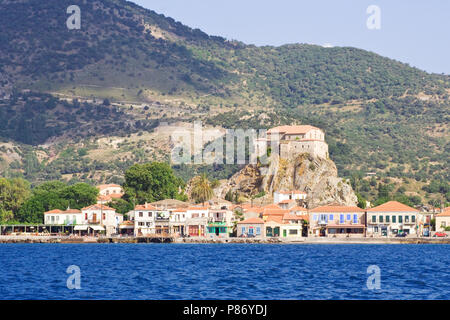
x=284 y=233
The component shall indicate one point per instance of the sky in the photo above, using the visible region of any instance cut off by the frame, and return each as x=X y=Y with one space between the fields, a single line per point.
x=416 y=32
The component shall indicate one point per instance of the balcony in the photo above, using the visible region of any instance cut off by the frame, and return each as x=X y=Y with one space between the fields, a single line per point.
x=92 y=221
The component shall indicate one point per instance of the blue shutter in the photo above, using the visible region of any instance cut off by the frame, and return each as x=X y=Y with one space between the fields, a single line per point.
x=355 y=218
x=341 y=218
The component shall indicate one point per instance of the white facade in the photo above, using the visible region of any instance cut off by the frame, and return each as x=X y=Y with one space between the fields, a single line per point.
x=279 y=196
x=104 y=216
x=70 y=217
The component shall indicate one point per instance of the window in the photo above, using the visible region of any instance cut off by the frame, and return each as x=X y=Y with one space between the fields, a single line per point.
x=406 y=218
x=85 y=216
x=293 y=231
x=331 y=217
x=394 y=219
x=413 y=218
x=258 y=230
x=341 y=218
x=141 y=214
x=374 y=219
x=349 y=217
x=388 y=219
x=400 y=219
x=355 y=218
x=381 y=219
x=243 y=230
x=53 y=218
x=149 y=214
x=315 y=217
x=104 y=216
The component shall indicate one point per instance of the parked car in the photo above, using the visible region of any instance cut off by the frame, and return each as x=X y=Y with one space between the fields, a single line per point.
x=440 y=234
x=401 y=235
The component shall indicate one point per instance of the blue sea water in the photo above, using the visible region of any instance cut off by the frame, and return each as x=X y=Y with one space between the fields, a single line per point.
x=224 y=271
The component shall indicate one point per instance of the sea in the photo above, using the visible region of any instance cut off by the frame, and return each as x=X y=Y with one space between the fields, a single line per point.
x=224 y=271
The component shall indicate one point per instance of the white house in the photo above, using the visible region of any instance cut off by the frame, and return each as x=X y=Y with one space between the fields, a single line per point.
x=102 y=218
x=281 y=196
x=108 y=192
x=69 y=217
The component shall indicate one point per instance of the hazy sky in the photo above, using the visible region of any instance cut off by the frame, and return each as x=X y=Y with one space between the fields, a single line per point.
x=412 y=31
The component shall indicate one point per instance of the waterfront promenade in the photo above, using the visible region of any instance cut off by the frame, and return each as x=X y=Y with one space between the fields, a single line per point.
x=231 y=240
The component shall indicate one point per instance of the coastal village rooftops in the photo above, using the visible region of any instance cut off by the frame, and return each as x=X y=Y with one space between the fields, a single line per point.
x=393 y=206
x=292 y=192
x=106 y=186
x=198 y=208
x=271 y=206
x=146 y=206
x=60 y=211
x=252 y=221
x=109 y=196
x=275 y=212
x=336 y=208
x=445 y=213
x=290 y=216
x=301 y=129
x=275 y=220
x=180 y=210
x=287 y=201
x=98 y=207
x=298 y=208
x=170 y=204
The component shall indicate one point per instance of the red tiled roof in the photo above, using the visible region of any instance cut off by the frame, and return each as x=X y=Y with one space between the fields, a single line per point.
x=54 y=211
x=105 y=186
x=110 y=196
x=271 y=206
x=393 y=206
x=146 y=206
x=301 y=129
x=276 y=219
x=290 y=216
x=298 y=208
x=275 y=212
x=337 y=209
x=60 y=211
x=197 y=208
x=252 y=221
x=98 y=207
x=445 y=213
x=292 y=192
x=287 y=201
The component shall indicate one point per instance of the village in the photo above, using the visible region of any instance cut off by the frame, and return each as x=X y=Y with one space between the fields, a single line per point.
x=287 y=219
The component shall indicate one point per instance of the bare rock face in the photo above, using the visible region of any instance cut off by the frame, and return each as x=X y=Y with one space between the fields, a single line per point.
x=316 y=176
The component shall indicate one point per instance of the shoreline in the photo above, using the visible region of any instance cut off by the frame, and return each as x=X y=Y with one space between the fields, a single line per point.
x=135 y=240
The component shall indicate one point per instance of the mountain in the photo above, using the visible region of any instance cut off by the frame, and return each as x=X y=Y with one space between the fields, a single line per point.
x=84 y=104
x=316 y=176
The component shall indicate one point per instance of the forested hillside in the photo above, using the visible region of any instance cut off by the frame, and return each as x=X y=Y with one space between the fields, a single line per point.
x=128 y=69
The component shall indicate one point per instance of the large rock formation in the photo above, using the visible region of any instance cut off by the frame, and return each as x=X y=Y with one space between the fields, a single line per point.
x=316 y=176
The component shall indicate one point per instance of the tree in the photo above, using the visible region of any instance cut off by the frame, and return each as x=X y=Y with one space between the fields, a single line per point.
x=79 y=195
x=201 y=189
x=56 y=195
x=151 y=182
x=13 y=193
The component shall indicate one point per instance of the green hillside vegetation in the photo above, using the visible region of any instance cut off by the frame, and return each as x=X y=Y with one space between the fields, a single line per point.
x=129 y=68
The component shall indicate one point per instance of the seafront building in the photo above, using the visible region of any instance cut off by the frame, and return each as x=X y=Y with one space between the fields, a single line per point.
x=337 y=221
x=443 y=220
x=392 y=218
x=90 y=220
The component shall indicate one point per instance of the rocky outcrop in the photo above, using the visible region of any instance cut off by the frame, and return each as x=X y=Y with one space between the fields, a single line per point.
x=318 y=177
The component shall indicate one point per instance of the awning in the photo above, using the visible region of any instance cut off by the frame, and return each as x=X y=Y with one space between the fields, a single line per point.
x=80 y=228
x=97 y=228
